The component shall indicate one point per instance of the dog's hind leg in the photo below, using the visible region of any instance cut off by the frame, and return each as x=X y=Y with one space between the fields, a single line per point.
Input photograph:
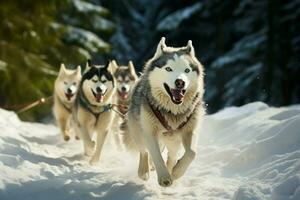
x=143 y=170
x=101 y=135
x=189 y=141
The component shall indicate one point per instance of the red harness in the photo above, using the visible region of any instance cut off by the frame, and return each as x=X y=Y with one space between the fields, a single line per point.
x=165 y=123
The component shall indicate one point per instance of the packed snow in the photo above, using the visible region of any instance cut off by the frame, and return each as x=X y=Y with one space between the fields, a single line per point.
x=244 y=153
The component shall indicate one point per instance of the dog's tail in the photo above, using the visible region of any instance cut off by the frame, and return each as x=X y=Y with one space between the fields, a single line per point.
x=127 y=139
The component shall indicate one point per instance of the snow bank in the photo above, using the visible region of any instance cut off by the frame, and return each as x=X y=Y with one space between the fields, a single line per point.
x=245 y=153
x=261 y=145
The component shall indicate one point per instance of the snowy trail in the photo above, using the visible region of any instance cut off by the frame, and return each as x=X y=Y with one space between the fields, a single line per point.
x=246 y=153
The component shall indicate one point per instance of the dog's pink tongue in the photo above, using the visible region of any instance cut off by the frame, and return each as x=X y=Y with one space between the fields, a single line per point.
x=123 y=95
x=177 y=94
x=69 y=96
x=99 y=97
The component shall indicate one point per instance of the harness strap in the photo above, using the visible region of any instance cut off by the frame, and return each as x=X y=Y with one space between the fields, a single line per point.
x=165 y=123
x=121 y=109
x=160 y=118
x=88 y=107
x=105 y=108
x=188 y=117
x=63 y=104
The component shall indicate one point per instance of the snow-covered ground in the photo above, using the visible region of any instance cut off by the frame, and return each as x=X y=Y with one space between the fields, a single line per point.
x=245 y=153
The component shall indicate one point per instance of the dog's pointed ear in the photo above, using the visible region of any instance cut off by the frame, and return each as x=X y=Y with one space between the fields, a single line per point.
x=190 y=48
x=89 y=62
x=62 y=69
x=88 y=66
x=114 y=62
x=78 y=70
x=160 y=47
x=131 y=68
x=112 y=66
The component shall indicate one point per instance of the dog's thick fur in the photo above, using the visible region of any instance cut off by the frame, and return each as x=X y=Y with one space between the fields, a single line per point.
x=126 y=78
x=92 y=111
x=65 y=89
x=178 y=103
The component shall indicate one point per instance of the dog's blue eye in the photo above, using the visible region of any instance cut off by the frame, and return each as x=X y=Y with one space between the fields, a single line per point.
x=95 y=81
x=187 y=70
x=169 y=69
x=104 y=81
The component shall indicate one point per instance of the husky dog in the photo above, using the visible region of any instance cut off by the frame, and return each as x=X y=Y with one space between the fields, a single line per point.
x=126 y=78
x=65 y=89
x=166 y=107
x=93 y=106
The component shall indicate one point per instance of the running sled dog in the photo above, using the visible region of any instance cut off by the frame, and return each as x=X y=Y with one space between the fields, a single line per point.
x=126 y=78
x=167 y=105
x=65 y=90
x=92 y=110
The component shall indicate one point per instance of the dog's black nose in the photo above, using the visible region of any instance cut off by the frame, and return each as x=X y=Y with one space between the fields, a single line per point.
x=123 y=89
x=69 y=91
x=98 y=89
x=179 y=83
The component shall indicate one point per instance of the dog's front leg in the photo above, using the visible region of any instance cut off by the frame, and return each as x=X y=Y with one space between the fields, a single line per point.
x=88 y=144
x=63 y=124
x=101 y=135
x=75 y=128
x=151 y=141
x=143 y=170
x=116 y=132
x=189 y=141
x=173 y=147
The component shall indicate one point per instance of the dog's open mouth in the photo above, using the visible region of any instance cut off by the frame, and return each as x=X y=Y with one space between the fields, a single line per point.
x=99 y=96
x=123 y=95
x=69 y=96
x=176 y=95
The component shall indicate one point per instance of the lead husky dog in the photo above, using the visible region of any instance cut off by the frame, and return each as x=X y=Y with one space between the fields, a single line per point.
x=166 y=107
x=126 y=78
x=65 y=89
x=93 y=106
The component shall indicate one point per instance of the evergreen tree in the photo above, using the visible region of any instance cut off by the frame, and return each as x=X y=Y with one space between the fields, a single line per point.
x=36 y=36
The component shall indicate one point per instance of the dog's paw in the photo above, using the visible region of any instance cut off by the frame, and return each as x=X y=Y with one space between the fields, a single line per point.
x=89 y=150
x=93 y=144
x=66 y=137
x=144 y=176
x=176 y=172
x=151 y=165
x=175 y=175
x=94 y=161
x=165 y=181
